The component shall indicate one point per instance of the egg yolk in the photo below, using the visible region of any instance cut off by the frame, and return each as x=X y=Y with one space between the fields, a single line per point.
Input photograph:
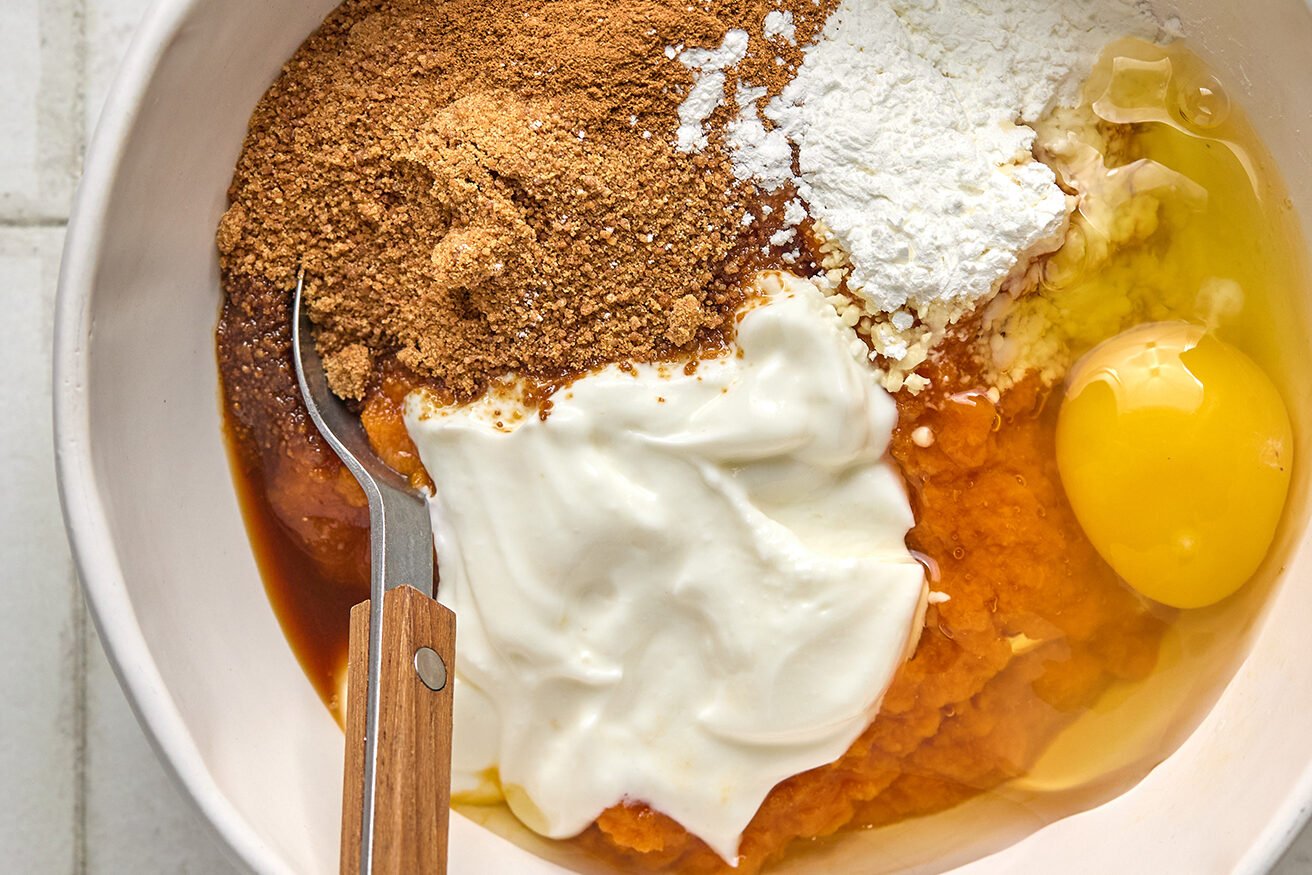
x=1175 y=451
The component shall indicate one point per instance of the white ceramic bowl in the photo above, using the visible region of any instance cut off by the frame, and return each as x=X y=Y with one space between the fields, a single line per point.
x=168 y=572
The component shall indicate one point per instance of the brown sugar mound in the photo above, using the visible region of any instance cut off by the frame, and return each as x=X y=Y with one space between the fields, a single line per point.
x=475 y=188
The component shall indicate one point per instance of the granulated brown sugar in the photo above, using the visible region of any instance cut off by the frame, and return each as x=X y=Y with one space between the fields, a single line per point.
x=512 y=203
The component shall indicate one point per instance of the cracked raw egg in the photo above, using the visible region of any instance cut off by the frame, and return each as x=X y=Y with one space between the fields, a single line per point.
x=1175 y=452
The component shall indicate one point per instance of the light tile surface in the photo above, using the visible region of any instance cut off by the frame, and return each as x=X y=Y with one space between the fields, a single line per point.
x=1298 y=860
x=83 y=790
x=40 y=108
x=108 y=25
x=136 y=821
x=39 y=645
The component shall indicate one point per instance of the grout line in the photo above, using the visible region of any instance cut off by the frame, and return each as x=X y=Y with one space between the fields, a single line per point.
x=7 y=224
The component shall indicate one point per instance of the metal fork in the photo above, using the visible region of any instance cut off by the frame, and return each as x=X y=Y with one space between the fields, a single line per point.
x=397 y=784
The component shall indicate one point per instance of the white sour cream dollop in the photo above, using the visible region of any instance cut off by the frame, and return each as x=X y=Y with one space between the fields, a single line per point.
x=678 y=589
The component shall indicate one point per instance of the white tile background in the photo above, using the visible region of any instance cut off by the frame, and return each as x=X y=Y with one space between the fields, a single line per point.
x=80 y=789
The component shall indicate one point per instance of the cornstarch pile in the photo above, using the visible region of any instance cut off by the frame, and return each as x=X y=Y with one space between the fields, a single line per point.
x=910 y=128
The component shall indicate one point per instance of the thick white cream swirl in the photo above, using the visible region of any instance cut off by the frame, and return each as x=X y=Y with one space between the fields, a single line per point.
x=679 y=588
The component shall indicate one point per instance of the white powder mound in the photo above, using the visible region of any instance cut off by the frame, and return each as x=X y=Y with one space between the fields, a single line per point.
x=908 y=119
x=1014 y=59
x=911 y=121
x=931 y=206
x=779 y=25
x=708 y=87
x=763 y=156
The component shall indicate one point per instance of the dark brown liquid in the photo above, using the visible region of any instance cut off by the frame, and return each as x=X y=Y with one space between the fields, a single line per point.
x=313 y=609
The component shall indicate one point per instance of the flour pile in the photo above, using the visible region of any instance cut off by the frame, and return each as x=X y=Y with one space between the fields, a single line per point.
x=910 y=122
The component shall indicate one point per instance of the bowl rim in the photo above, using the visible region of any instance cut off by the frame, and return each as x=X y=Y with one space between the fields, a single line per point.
x=86 y=521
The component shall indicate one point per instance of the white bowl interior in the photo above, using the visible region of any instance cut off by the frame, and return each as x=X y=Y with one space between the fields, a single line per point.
x=176 y=594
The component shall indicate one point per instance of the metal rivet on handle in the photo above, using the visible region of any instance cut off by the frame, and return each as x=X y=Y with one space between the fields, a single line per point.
x=430 y=668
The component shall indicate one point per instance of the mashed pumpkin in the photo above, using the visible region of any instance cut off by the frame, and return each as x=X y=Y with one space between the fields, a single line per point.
x=1034 y=627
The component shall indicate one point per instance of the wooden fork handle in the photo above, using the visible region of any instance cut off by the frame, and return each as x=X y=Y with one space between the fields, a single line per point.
x=413 y=770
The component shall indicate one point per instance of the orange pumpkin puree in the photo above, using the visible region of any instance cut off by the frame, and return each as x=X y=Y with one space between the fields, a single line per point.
x=1036 y=626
